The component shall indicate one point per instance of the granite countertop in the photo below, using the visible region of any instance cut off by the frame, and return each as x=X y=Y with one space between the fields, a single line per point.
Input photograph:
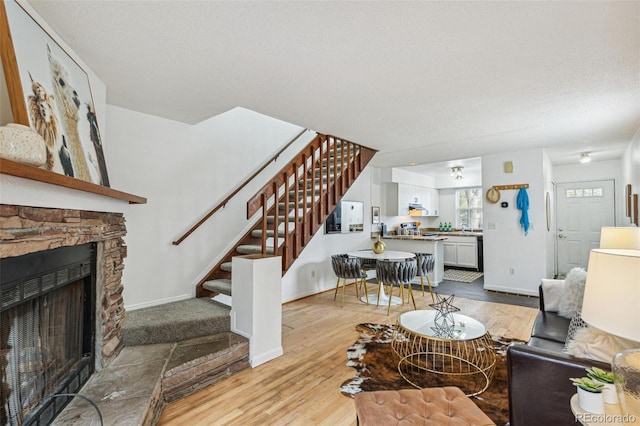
x=415 y=237
x=433 y=235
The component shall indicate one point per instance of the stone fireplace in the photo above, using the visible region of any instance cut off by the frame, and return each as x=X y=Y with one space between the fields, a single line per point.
x=30 y=233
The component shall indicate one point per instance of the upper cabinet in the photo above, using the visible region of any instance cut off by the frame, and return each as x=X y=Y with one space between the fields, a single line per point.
x=399 y=196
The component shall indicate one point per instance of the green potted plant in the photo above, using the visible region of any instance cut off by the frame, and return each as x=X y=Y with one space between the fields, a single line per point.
x=606 y=378
x=590 y=396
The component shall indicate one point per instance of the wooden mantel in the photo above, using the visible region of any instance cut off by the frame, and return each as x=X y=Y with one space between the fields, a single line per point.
x=13 y=168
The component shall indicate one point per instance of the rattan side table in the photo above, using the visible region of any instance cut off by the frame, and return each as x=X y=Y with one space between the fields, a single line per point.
x=464 y=356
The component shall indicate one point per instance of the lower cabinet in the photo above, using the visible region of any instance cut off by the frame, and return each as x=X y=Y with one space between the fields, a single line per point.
x=461 y=251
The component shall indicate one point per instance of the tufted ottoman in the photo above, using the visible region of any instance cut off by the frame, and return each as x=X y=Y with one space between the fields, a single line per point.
x=429 y=406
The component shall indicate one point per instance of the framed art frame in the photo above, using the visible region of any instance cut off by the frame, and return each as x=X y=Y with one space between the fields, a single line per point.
x=375 y=214
x=628 y=199
x=50 y=92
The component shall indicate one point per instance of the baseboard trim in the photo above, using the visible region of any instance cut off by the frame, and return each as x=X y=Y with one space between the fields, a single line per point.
x=158 y=302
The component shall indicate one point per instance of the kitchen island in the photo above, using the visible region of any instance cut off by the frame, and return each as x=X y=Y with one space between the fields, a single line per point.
x=421 y=244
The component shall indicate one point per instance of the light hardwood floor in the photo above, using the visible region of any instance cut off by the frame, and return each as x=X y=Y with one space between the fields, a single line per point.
x=302 y=386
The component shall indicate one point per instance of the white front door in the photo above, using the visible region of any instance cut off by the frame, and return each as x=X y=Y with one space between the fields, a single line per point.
x=582 y=208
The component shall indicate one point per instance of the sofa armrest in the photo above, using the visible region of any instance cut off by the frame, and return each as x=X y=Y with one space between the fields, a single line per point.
x=539 y=386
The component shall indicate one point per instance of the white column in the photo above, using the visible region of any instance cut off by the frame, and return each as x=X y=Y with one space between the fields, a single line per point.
x=256 y=307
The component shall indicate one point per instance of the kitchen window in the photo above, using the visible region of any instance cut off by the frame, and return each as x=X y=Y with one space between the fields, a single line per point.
x=469 y=208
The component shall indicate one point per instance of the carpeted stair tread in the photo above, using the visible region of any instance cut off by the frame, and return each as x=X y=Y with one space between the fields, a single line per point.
x=258 y=233
x=226 y=266
x=221 y=285
x=175 y=321
x=252 y=249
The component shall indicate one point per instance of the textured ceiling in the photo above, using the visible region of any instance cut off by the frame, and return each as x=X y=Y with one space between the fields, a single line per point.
x=420 y=81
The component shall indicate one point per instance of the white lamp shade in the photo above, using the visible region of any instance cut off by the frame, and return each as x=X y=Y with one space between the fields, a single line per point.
x=620 y=238
x=612 y=292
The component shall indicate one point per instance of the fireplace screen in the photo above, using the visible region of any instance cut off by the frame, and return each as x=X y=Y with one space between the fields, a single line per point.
x=45 y=342
x=42 y=340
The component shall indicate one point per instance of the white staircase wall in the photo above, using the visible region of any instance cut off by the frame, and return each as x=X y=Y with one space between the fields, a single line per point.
x=184 y=171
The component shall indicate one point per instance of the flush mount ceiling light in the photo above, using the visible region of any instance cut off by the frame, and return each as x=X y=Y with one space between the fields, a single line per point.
x=456 y=172
x=584 y=157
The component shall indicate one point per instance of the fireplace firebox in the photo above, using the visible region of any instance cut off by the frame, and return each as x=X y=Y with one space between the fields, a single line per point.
x=47 y=331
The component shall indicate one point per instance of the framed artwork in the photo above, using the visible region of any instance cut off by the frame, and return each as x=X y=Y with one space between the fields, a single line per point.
x=51 y=93
x=375 y=214
x=635 y=210
x=628 y=200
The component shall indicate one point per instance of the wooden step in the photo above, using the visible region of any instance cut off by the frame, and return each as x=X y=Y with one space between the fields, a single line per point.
x=198 y=363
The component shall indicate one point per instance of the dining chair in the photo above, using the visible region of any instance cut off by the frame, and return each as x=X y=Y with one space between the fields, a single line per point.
x=396 y=273
x=349 y=268
x=426 y=262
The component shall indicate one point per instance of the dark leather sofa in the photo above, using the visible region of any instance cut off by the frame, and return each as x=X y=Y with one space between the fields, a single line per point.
x=539 y=372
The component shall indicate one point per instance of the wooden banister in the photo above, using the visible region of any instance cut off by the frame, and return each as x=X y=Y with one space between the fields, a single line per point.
x=224 y=202
x=338 y=162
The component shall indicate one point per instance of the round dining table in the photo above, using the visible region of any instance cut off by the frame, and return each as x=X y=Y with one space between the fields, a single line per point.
x=386 y=255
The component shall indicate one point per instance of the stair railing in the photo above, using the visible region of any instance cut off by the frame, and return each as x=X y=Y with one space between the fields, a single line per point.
x=224 y=202
x=316 y=179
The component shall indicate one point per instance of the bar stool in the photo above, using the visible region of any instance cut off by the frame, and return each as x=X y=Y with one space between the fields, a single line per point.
x=426 y=262
x=347 y=268
x=396 y=273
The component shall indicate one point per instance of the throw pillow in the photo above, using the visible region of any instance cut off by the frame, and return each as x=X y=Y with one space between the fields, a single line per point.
x=576 y=323
x=571 y=302
x=591 y=343
x=553 y=291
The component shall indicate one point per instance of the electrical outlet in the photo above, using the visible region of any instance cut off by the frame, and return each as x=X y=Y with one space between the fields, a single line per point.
x=512 y=271
x=491 y=225
x=313 y=273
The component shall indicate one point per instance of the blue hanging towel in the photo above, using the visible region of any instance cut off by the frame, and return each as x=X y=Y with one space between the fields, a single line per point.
x=522 y=203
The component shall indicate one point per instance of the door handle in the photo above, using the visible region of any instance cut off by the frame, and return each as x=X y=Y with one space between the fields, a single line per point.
x=562 y=236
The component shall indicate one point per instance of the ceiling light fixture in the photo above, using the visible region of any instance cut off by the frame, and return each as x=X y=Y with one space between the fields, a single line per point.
x=584 y=157
x=456 y=172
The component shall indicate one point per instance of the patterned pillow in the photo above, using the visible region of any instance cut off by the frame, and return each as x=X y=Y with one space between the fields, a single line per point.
x=575 y=324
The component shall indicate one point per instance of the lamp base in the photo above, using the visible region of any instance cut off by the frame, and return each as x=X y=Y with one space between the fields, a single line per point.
x=626 y=376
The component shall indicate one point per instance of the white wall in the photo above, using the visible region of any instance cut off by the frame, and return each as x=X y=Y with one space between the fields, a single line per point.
x=505 y=245
x=184 y=171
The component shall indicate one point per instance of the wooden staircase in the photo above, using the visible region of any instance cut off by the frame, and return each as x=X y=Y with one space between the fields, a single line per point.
x=290 y=208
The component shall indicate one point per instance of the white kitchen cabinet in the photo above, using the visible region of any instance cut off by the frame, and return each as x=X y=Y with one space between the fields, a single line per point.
x=450 y=257
x=400 y=195
x=461 y=251
x=467 y=254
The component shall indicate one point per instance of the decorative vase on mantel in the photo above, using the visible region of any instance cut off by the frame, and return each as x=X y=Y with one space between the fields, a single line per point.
x=21 y=144
x=379 y=246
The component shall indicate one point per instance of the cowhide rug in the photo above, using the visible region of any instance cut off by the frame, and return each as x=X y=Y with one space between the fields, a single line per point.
x=376 y=369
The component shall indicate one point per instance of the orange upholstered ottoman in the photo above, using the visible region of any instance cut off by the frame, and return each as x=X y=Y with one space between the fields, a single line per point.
x=430 y=406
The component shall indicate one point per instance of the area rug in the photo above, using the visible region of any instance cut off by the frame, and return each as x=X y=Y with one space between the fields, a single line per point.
x=461 y=275
x=376 y=369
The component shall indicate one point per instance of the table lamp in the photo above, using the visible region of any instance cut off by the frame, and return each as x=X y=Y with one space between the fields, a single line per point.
x=612 y=304
x=612 y=237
